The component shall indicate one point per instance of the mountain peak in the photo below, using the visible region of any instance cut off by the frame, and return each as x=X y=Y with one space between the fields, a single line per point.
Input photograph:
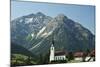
x=40 y=14
x=30 y=15
x=60 y=17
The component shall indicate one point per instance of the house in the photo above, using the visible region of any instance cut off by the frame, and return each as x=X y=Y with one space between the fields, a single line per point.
x=56 y=55
x=83 y=56
x=78 y=56
x=91 y=56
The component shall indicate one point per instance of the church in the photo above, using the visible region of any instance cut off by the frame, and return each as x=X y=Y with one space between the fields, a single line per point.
x=56 y=55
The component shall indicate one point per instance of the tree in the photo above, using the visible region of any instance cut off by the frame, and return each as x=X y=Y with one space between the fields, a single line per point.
x=70 y=56
x=28 y=60
x=84 y=57
x=46 y=58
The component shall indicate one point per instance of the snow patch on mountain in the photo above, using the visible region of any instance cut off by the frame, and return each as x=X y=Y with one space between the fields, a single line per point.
x=36 y=20
x=32 y=34
x=20 y=20
x=37 y=45
x=28 y=20
x=46 y=34
x=40 y=32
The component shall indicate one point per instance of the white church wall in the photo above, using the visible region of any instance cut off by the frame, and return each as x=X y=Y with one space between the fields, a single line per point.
x=62 y=57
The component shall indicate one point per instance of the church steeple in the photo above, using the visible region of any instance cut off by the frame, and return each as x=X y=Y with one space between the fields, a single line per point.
x=52 y=51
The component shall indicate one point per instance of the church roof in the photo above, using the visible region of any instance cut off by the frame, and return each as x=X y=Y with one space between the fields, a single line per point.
x=58 y=53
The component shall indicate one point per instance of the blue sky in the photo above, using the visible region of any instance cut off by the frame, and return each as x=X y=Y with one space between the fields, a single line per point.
x=84 y=15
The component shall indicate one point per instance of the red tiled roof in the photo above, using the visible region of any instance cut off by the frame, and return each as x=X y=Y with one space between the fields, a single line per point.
x=57 y=53
x=78 y=54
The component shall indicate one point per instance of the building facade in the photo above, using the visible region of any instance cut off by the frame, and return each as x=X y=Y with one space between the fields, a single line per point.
x=56 y=55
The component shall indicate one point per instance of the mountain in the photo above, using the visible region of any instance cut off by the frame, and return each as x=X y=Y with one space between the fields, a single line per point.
x=20 y=56
x=35 y=32
x=18 y=49
x=25 y=25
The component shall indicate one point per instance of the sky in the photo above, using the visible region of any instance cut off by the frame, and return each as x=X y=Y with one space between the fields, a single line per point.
x=83 y=14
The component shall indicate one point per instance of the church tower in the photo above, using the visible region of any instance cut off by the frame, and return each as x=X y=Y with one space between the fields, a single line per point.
x=52 y=51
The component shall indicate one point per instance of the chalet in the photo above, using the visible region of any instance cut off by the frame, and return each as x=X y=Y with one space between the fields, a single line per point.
x=78 y=56
x=82 y=56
